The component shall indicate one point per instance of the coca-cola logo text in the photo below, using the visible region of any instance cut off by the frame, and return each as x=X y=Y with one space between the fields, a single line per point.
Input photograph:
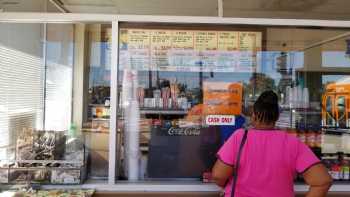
x=187 y=131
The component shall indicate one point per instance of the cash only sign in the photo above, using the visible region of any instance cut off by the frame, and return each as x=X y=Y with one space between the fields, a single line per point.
x=220 y=120
x=222 y=102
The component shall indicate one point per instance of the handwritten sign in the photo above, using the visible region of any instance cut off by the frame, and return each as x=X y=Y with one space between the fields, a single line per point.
x=189 y=50
x=222 y=98
x=205 y=40
x=182 y=40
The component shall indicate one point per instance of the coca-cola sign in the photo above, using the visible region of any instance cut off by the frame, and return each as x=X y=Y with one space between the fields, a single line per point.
x=186 y=131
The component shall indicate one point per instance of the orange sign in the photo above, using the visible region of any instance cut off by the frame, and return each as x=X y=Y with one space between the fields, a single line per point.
x=222 y=98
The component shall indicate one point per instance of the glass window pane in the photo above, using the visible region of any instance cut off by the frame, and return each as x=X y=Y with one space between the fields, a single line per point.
x=55 y=92
x=58 y=76
x=22 y=82
x=97 y=98
x=173 y=91
x=184 y=89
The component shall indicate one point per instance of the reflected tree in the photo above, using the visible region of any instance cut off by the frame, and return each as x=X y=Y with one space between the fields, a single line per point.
x=258 y=83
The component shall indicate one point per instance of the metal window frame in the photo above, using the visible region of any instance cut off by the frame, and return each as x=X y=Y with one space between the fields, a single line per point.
x=19 y=17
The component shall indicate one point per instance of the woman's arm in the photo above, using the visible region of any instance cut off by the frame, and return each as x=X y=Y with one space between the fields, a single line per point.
x=319 y=180
x=221 y=173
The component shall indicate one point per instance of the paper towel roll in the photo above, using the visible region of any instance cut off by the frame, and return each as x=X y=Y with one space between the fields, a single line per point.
x=127 y=88
x=299 y=97
x=132 y=118
x=133 y=141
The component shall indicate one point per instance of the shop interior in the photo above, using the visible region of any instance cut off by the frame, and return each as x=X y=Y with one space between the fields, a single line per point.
x=307 y=67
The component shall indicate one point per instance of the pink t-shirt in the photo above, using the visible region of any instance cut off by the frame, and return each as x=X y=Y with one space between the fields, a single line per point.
x=270 y=160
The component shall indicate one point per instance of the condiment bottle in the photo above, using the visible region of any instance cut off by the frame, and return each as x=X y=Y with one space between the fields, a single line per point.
x=311 y=138
x=336 y=170
x=301 y=134
x=345 y=169
x=318 y=138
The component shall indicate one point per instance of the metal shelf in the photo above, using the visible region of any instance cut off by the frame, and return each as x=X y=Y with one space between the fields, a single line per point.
x=163 y=112
x=99 y=105
x=90 y=119
x=337 y=131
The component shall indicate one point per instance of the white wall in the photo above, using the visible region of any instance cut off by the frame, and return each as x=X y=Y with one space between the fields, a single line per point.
x=146 y=7
x=310 y=9
x=23 y=5
x=27 y=6
x=307 y=9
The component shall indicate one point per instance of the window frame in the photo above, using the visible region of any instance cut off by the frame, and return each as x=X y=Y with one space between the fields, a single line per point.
x=18 y=17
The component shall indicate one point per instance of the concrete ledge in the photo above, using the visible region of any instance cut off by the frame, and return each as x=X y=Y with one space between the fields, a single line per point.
x=187 y=194
x=167 y=187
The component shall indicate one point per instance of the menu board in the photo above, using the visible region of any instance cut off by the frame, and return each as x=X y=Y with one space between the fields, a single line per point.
x=182 y=50
x=182 y=40
x=135 y=49
x=160 y=45
x=205 y=41
x=228 y=41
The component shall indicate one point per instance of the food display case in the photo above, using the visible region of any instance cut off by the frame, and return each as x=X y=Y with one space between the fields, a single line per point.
x=46 y=157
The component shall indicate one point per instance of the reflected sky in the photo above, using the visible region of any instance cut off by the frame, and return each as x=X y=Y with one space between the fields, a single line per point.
x=335 y=59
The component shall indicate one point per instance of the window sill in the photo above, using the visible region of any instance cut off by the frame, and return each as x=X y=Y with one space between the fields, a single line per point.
x=171 y=186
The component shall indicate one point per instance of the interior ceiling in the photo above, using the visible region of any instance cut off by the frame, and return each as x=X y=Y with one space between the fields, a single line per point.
x=156 y=7
x=322 y=9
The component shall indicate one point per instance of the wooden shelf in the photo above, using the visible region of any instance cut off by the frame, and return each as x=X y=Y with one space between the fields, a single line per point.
x=90 y=130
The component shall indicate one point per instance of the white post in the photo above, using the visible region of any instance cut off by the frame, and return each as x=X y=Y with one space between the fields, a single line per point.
x=221 y=8
x=78 y=75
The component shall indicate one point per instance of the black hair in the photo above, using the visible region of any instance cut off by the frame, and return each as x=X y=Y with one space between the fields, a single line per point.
x=266 y=109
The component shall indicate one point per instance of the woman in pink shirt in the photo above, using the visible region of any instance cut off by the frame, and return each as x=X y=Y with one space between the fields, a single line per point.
x=269 y=158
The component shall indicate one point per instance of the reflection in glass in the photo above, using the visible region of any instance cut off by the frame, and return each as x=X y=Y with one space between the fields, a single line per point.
x=341 y=108
x=329 y=110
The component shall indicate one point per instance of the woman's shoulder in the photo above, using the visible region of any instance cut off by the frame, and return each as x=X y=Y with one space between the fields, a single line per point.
x=278 y=133
x=290 y=137
x=237 y=134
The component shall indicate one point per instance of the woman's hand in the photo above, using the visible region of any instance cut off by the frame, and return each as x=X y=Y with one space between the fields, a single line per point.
x=221 y=173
